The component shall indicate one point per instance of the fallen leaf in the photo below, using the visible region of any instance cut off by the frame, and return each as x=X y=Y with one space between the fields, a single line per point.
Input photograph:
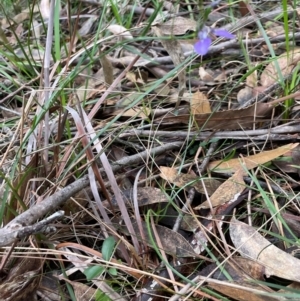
x=255 y=292
x=286 y=63
x=229 y=191
x=140 y=112
x=108 y=70
x=250 y=162
x=177 y=26
x=173 y=243
x=83 y=292
x=251 y=80
x=226 y=120
x=145 y=196
x=121 y=31
x=189 y=222
x=200 y=104
x=250 y=244
x=204 y=75
x=186 y=180
x=138 y=77
x=244 y=95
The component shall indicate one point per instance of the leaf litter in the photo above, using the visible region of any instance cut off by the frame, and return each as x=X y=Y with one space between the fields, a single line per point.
x=130 y=77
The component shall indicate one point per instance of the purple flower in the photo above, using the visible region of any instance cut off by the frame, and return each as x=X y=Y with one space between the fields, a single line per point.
x=201 y=46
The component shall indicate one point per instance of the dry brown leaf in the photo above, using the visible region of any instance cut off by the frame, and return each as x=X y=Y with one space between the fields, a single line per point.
x=83 y=292
x=173 y=243
x=220 y=77
x=204 y=75
x=189 y=223
x=200 y=104
x=238 y=268
x=173 y=98
x=241 y=293
x=140 y=112
x=139 y=77
x=251 y=80
x=244 y=95
x=248 y=91
x=229 y=191
x=250 y=244
x=145 y=196
x=108 y=70
x=120 y=31
x=252 y=161
x=186 y=180
x=286 y=63
x=177 y=26
x=226 y=120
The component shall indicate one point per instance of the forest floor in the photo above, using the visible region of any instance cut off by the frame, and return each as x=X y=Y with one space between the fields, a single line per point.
x=149 y=150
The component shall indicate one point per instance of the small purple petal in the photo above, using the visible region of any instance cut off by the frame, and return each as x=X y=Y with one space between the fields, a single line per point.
x=223 y=33
x=201 y=46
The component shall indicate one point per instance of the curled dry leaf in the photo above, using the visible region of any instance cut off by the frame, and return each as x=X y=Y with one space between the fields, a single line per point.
x=244 y=95
x=200 y=104
x=204 y=75
x=177 y=26
x=229 y=191
x=186 y=180
x=138 y=77
x=250 y=162
x=108 y=70
x=121 y=31
x=250 y=244
x=286 y=62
